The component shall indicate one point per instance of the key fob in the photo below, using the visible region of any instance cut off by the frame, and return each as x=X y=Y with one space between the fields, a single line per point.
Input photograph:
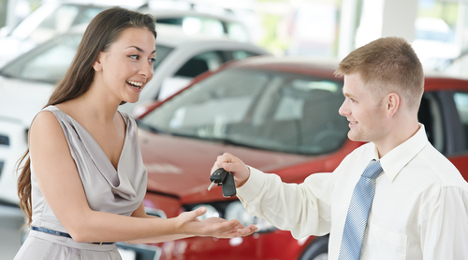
x=218 y=176
x=225 y=179
x=229 y=186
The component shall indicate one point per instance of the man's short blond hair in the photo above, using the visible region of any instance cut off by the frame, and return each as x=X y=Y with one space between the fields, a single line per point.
x=388 y=65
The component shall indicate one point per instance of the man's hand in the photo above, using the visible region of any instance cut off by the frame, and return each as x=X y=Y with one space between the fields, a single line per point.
x=232 y=164
x=188 y=223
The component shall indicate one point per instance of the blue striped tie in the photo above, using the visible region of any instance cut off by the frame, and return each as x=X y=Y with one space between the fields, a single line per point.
x=358 y=212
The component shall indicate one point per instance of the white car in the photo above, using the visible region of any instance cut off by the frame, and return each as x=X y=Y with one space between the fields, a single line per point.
x=194 y=22
x=54 y=18
x=51 y=19
x=27 y=82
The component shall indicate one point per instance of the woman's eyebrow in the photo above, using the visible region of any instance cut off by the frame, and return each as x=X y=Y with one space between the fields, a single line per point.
x=140 y=49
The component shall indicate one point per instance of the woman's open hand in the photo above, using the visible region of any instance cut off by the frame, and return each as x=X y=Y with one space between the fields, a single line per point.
x=240 y=230
x=188 y=223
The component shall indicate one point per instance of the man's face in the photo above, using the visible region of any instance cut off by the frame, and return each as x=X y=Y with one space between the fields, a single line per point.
x=363 y=110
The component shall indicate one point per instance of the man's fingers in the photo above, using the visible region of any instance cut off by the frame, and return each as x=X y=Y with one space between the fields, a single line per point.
x=232 y=167
x=220 y=160
x=227 y=162
x=214 y=168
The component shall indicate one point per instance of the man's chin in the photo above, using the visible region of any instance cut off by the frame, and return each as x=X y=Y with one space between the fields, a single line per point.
x=356 y=138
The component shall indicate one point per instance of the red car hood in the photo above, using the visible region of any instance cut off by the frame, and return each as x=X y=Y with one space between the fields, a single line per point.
x=181 y=166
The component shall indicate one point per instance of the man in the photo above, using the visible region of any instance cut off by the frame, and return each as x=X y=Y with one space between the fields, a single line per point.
x=409 y=203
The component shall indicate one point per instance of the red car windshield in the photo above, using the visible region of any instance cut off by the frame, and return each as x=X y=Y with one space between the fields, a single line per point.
x=267 y=110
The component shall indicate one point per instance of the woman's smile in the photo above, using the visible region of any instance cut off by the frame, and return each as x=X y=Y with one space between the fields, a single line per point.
x=135 y=85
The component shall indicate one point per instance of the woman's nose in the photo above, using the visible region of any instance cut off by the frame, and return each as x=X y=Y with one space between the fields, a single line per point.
x=147 y=70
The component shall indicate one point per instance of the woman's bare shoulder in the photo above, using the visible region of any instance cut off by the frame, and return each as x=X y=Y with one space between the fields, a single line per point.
x=46 y=128
x=44 y=120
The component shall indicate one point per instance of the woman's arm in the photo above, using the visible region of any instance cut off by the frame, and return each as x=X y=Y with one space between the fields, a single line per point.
x=141 y=213
x=61 y=186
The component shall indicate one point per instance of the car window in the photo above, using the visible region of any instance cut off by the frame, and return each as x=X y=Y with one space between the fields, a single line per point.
x=86 y=15
x=240 y=55
x=195 y=24
x=461 y=102
x=203 y=25
x=210 y=26
x=266 y=110
x=197 y=65
x=171 y=21
x=237 y=32
x=47 y=64
x=58 y=22
x=161 y=53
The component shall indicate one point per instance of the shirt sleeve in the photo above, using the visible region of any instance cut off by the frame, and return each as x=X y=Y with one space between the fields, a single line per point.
x=303 y=209
x=445 y=233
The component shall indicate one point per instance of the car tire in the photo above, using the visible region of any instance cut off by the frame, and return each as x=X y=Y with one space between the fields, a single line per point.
x=317 y=249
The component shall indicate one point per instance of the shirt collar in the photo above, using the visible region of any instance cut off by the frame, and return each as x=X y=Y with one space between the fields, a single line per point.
x=398 y=157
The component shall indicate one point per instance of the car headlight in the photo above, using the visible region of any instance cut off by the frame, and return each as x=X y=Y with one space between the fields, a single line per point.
x=235 y=210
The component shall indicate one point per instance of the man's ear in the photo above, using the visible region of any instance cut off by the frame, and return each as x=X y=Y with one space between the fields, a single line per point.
x=393 y=104
x=97 y=65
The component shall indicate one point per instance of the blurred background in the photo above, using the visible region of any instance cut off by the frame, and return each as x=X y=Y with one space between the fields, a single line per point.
x=313 y=28
x=34 y=57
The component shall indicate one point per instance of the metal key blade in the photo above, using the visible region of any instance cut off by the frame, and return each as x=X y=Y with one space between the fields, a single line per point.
x=211 y=186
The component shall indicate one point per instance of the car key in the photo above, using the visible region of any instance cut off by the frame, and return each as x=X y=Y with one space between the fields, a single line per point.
x=217 y=177
x=226 y=179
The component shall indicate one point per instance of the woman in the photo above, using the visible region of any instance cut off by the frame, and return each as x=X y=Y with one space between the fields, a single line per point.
x=83 y=184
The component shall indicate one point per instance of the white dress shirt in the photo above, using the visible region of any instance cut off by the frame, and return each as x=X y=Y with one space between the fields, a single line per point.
x=420 y=208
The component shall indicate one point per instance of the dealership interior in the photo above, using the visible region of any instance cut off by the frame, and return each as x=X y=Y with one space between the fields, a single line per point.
x=38 y=39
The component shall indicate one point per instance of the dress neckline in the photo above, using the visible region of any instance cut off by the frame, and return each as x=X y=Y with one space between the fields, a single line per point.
x=116 y=169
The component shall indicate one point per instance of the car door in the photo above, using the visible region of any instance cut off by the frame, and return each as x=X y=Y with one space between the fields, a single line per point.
x=457 y=121
x=445 y=117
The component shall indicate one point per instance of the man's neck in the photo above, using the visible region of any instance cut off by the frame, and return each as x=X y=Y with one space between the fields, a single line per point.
x=401 y=132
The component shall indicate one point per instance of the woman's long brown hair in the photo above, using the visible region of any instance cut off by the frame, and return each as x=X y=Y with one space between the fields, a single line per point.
x=101 y=32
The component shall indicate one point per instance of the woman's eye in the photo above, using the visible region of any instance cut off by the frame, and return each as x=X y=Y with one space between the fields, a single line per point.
x=135 y=57
x=152 y=60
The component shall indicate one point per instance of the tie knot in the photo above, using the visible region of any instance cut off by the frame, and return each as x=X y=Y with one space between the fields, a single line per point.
x=373 y=169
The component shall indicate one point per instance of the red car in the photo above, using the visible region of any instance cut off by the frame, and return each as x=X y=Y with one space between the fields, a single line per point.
x=278 y=115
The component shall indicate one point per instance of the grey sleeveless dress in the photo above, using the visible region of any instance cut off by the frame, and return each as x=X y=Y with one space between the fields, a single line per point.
x=108 y=190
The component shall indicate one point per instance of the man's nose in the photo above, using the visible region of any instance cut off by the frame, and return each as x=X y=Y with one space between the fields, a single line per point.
x=344 y=109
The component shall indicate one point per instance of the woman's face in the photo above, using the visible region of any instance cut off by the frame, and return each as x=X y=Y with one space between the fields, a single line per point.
x=127 y=65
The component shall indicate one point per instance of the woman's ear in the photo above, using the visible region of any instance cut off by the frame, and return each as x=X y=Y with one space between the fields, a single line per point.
x=97 y=65
x=393 y=104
